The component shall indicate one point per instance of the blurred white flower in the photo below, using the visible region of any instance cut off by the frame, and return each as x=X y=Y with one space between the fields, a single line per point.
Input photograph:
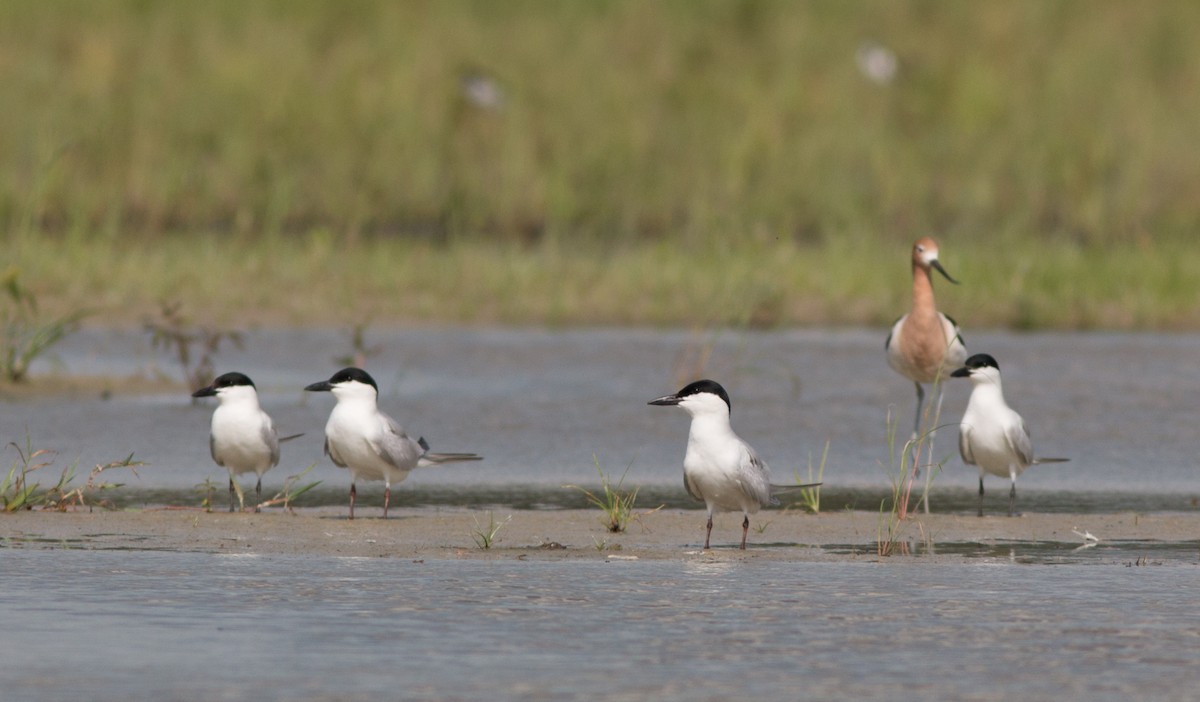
x=482 y=91
x=877 y=62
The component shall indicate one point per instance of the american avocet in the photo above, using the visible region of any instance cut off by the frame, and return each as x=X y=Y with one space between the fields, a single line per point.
x=925 y=344
x=993 y=436
x=719 y=469
x=242 y=439
x=368 y=442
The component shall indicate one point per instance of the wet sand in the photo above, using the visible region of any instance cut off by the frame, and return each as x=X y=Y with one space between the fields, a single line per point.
x=433 y=533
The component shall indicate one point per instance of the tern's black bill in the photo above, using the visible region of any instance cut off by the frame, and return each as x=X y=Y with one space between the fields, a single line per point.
x=322 y=386
x=666 y=400
x=205 y=392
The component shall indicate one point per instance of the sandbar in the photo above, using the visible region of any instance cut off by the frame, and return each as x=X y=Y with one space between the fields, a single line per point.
x=559 y=534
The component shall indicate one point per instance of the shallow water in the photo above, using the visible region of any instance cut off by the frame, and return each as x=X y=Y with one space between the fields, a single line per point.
x=545 y=406
x=1025 y=620
x=105 y=625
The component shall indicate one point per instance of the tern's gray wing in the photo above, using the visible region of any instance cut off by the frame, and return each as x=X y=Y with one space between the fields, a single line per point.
x=270 y=439
x=755 y=476
x=964 y=444
x=212 y=450
x=687 y=485
x=333 y=456
x=1018 y=440
x=396 y=447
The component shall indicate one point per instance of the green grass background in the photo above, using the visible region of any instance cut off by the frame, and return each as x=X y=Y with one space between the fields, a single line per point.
x=673 y=162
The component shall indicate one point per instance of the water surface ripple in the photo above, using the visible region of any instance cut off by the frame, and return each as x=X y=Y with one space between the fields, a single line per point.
x=544 y=406
x=162 y=626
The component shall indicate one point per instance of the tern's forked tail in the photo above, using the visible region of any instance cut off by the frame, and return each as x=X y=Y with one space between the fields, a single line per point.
x=436 y=459
x=430 y=459
x=789 y=488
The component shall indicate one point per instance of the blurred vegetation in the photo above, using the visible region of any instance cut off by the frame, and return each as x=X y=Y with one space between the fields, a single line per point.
x=458 y=160
x=25 y=334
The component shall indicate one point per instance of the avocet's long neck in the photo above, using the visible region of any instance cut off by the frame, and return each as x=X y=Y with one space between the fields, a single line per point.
x=923 y=301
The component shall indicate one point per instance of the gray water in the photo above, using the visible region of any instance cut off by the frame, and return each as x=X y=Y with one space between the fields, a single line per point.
x=545 y=407
x=1009 y=621
x=176 y=626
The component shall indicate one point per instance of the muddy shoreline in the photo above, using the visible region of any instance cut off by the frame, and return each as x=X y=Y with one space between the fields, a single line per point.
x=451 y=533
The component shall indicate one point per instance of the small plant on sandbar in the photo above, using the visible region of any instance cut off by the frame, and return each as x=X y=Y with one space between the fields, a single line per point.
x=810 y=497
x=613 y=500
x=485 y=536
x=18 y=491
x=208 y=489
x=921 y=442
x=290 y=492
x=80 y=496
x=894 y=510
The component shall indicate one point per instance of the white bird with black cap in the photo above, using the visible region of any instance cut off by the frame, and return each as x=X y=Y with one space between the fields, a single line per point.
x=719 y=468
x=368 y=442
x=992 y=435
x=243 y=438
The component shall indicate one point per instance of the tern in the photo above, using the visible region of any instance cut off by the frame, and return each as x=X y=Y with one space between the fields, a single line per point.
x=719 y=468
x=992 y=435
x=368 y=442
x=243 y=438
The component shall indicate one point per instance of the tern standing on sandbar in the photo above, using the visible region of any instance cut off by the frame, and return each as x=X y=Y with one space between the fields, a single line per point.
x=719 y=469
x=992 y=435
x=368 y=442
x=242 y=439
